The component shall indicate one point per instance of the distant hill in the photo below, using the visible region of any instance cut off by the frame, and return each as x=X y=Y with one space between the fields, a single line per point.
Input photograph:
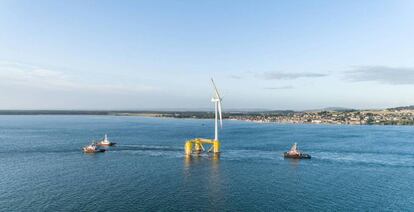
x=332 y=109
x=410 y=107
x=186 y=112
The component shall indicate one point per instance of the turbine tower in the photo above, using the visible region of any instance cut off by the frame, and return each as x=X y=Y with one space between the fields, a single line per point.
x=217 y=108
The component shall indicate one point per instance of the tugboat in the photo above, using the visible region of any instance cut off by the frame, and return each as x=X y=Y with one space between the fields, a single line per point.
x=105 y=142
x=295 y=153
x=92 y=148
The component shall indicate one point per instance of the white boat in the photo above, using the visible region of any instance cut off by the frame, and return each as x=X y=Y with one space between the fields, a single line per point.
x=92 y=148
x=295 y=153
x=105 y=142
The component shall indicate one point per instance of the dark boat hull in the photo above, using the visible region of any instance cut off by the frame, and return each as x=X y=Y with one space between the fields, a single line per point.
x=94 y=151
x=300 y=156
x=111 y=144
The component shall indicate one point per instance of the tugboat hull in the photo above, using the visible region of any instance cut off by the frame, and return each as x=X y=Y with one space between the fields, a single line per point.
x=300 y=156
x=94 y=151
x=110 y=144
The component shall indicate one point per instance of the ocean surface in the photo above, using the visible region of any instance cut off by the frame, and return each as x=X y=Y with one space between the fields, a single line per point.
x=353 y=168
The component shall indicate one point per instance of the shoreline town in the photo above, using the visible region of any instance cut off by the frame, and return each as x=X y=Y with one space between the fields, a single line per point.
x=390 y=116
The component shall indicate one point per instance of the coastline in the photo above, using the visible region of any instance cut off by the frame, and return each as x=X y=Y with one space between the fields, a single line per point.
x=377 y=117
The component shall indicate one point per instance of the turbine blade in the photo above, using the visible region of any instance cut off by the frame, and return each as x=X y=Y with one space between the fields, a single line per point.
x=215 y=89
x=219 y=110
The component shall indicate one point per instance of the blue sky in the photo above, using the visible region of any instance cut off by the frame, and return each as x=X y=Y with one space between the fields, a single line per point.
x=161 y=54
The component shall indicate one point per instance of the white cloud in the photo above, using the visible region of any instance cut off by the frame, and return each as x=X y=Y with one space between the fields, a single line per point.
x=288 y=76
x=21 y=74
x=381 y=74
x=280 y=87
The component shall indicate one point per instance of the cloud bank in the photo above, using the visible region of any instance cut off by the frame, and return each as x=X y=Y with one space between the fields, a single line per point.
x=289 y=76
x=280 y=87
x=381 y=74
x=22 y=74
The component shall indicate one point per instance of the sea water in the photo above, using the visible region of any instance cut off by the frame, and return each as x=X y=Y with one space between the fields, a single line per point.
x=353 y=168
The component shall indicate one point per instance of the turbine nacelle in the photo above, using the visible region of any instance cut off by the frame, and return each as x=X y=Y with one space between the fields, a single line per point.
x=216 y=99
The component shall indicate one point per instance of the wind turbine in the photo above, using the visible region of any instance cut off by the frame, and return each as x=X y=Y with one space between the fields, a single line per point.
x=217 y=109
x=196 y=145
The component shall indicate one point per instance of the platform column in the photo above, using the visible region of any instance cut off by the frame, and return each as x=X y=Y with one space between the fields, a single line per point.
x=188 y=147
x=216 y=146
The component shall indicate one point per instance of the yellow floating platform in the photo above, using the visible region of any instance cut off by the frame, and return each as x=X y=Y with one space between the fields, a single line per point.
x=197 y=146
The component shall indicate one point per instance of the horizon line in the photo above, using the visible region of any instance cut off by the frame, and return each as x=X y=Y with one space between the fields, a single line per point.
x=197 y=109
